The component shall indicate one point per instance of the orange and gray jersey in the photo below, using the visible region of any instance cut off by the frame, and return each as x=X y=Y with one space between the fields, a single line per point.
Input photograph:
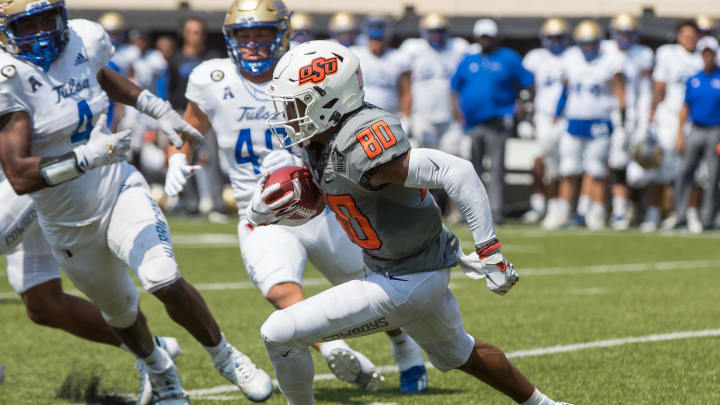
x=399 y=228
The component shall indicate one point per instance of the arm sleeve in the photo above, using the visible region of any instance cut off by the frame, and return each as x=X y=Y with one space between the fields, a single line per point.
x=9 y=98
x=429 y=168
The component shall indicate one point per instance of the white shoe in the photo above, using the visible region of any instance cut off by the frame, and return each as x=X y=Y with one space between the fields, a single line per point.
x=648 y=226
x=531 y=217
x=241 y=371
x=693 y=222
x=595 y=221
x=167 y=388
x=621 y=223
x=670 y=222
x=353 y=367
x=171 y=346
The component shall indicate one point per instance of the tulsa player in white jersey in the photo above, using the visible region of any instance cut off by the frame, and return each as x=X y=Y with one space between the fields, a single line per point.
x=594 y=89
x=95 y=209
x=432 y=61
x=227 y=95
x=546 y=65
x=382 y=66
x=637 y=70
x=674 y=64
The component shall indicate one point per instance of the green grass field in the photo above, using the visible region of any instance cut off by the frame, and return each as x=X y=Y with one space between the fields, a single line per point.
x=576 y=287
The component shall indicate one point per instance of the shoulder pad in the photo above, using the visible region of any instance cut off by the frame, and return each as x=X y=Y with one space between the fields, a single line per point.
x=86 y=28
x=357 y=122
x=211 y=71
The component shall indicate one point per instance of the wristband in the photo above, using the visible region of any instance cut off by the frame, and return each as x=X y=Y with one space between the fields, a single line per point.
x=60 y=169
x=488 y=248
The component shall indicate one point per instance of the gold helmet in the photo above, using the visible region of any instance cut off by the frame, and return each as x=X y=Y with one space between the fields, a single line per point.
x=112 y=21
x=41 y=48
x=434 y=21
x=623 y=22
x=553 y=27
x=257 y=14
x=705 y=24
x=587 y=31
x=343 y=22
x=301 y=22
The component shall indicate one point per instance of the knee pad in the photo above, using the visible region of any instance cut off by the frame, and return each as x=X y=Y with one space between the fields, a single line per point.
x=278 y=329
x=122 y=314
x=157 y=270
x=452 y=354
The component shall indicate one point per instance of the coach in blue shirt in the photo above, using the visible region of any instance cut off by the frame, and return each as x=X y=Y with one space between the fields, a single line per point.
x=702 y=106
x=485 y=86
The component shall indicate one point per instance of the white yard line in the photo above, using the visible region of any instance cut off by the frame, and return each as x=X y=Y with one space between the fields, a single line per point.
x=208 y=393
x=459 y=276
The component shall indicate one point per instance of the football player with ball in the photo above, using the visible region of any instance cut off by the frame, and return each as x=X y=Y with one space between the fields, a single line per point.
x=361 y=160
x=228 y=95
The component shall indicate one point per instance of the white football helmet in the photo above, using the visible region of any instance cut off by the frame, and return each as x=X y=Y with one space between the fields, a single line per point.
x=313 y=86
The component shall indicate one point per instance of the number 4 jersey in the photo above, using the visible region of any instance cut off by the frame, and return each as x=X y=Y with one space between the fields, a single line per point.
x=237 y=110
x=63 y=103
x=399 y=228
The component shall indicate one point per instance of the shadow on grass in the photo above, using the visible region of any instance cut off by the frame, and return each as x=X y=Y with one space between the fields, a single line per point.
x=83 y=386
x=352 y=395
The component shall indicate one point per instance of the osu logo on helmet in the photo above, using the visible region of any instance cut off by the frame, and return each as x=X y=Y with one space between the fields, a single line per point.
x=318 y=70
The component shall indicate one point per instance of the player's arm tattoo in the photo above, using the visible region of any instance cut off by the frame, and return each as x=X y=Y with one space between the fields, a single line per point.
x=21 y=169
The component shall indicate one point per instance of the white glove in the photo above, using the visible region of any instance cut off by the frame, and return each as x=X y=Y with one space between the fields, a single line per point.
x=103 y=147
x=168 y=120
x=262 y=212
x=499 y=274
x=279 y=158
x=177 y=174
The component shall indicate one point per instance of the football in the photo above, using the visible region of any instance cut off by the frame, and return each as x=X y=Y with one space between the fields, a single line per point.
x=298 y=179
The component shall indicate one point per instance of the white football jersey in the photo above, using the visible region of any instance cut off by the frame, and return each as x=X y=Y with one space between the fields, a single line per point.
x=125 y=56
x=547 y=69
x=148 y=68
x=589 y=84
x=674 y=66
x=381 y=76
x=638 y=59
x=430 y=73
x=237 y=110
x=64 y=103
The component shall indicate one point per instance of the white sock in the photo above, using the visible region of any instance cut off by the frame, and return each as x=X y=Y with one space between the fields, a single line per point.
x=538 y=398
x=158 y=361
x=327 y=347
x=652 y=214
x=583 y=205
x=692 y=212
x=406 y=352
x=537 y=203
x=218 y=353
x=620 y=206
x=597 y=209
x=563 y=210
x=295 y=372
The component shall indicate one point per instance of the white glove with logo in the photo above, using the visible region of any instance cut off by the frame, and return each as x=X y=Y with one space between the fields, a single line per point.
x=261 y=212
x=489 y=263
x=103 y=147
x=168 y=120
x=177 y=174
x=279 y=158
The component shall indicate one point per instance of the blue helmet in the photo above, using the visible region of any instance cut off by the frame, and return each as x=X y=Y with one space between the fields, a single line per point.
x=41 y=48
x=257 y=14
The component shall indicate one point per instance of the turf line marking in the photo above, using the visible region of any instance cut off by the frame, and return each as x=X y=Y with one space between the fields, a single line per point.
x=206 y=392
x=459 y=276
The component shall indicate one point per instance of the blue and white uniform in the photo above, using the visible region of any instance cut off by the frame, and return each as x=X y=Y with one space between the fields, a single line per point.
x=547 y=69
x=381 y=76
x=237 y=110
x=588 y=108
x=104 y=221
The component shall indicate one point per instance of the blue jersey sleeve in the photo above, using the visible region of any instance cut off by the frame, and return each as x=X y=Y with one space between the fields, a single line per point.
x=456 y=81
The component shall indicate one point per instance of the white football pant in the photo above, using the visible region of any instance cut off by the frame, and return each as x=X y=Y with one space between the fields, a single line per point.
x=580 y=155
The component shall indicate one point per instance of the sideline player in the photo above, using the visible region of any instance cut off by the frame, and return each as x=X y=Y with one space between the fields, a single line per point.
x=95 y=209
x=594 y=89
x=637 y=69
x=674 y=64
x=228 y=95
x=34 y=275
x=546 y=66
x=379 y=196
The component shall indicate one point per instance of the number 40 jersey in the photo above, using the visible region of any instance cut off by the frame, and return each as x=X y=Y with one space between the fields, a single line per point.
x=237 y=110
x=63 y=103
x=399 y=228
